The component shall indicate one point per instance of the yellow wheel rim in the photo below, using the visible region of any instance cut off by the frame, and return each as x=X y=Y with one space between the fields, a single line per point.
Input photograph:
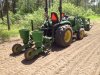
x=82 y=34
x=67 y=36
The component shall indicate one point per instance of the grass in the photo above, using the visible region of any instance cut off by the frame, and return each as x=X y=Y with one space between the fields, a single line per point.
x=94 y=17
x=5 y=34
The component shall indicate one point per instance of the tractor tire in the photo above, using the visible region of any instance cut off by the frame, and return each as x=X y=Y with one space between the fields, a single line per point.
x=17 y=49
x=80 y=34
x=29 y=54
x=63 y=36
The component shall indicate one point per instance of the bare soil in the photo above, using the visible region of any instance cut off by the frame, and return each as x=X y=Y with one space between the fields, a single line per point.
x=81 y=58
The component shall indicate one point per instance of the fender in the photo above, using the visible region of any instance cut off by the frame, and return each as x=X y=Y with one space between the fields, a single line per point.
x=65 y=22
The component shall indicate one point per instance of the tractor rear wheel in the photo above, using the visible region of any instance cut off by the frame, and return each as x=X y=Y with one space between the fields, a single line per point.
x=80 y=34
x=17 y=49
x=29 y=53
x=63 y=36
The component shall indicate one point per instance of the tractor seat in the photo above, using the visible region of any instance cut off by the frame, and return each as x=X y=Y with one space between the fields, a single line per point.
x=54 y=18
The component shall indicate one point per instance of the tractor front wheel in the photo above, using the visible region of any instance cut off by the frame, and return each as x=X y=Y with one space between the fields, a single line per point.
x=80 y=34
x=63 y=36
x=87 y=28
x=17 y=49
x=30 y=53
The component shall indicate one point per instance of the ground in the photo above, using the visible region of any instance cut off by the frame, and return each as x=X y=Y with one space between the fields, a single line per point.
x=81 y=58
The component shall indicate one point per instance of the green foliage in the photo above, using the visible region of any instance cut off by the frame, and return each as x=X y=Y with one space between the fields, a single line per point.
x=29 y=6
x=96 y=17
x=25 y=6
x=89 y=12
x=14 y=18
x=5 y=34
x=71 y=9
x=38 y=17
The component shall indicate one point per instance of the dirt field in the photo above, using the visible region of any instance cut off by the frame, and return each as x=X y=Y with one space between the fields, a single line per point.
x=81 y=58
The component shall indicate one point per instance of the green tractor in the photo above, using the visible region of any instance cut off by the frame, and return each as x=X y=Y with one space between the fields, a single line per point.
x=55 y=30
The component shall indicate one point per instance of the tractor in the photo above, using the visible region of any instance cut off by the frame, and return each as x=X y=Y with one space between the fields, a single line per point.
x=56 y=29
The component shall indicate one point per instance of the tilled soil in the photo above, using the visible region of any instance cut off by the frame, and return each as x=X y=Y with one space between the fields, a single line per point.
x=81 y=58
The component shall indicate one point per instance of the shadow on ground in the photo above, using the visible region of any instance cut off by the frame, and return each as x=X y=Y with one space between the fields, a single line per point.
x=43 y=55
x=26 y=62
x=15 y=55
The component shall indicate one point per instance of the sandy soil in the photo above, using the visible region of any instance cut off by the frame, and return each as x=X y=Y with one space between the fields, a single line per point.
x=81 y=58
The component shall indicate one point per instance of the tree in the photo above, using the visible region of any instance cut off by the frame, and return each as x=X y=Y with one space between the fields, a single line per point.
x=14 y=6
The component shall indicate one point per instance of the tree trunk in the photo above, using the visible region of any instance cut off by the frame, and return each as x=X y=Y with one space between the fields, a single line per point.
x=14 y=6
x=8 y=22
